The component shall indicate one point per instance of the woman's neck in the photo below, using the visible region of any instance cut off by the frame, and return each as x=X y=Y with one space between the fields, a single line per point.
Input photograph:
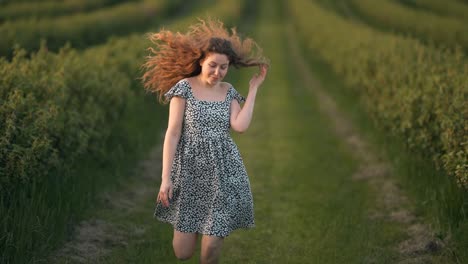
x=203 y=83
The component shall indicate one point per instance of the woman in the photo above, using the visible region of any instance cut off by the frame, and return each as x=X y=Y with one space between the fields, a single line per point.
x=205 y=189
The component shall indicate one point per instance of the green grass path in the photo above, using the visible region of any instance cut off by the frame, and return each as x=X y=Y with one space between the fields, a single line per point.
x=307 y=207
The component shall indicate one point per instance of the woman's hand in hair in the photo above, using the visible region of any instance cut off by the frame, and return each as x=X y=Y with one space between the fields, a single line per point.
x=258 y=78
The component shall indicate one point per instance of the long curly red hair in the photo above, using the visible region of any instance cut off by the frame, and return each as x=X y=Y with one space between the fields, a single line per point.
x=178 y=55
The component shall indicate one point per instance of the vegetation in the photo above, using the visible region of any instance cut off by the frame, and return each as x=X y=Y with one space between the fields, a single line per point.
x=82 y=30
x=410 y=89
x=444 y=31
x=449 y=8
x=75 y=123
x=72 y=122
x=414 y=93
x=14 y=11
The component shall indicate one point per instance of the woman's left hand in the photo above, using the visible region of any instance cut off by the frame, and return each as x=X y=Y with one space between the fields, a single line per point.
x=258 y=79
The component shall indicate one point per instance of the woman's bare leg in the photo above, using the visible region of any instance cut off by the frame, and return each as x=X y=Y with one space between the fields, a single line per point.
x=210 y=249
x=184 y=244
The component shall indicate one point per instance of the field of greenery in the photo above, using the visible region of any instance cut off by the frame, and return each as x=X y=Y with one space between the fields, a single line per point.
x=412 y=89
x=448 y=31
x=75 y=120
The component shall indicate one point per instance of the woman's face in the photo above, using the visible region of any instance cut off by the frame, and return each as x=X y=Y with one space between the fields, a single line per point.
x=214 y=68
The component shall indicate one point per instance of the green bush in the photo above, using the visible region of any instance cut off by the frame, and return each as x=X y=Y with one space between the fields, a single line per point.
x=75 y=119
x=52 y=96
x=15 y=11
x=54 y=109
x=82 y=30
x=411 y=90
x=450 y=8
x=445 y=31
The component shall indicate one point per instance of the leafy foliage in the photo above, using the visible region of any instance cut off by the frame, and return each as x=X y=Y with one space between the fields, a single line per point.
x=54 y=109
x=445 y=31
x=412 y=90
x=17 y=10
x=60 y=111
x=82 y=30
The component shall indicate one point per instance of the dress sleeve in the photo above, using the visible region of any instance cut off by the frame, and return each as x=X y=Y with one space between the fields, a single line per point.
x=180 y=89
x=236 y=95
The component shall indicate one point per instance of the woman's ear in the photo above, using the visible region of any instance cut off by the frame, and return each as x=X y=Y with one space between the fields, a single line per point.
x=202 y=59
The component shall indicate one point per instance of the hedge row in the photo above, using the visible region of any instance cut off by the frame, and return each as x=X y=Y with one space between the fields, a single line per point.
x=82 y=30
x=45 y=100
x=55 y=108
x=15 y=11
x=446 y=31
x=6 y=2
x=410 y=89
x=59 y=109
x=452 y=8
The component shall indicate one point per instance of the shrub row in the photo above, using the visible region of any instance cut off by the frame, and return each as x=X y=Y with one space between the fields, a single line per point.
x=15 y=11
x=410 y=89
x=7 y=2
x=82 y=30
x=56 y=111
x=452 y=8
x=445 y=31
x=55 y=108
x=52 y=103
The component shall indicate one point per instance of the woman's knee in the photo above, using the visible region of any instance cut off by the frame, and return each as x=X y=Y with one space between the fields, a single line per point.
x=182 y=254
x=211 y=248
x=184 y=245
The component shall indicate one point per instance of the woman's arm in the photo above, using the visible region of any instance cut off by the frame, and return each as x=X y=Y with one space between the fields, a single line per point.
x=171 y=139
x=240 y=118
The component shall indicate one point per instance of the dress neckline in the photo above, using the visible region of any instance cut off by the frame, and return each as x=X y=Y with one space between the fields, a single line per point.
x=205 y=101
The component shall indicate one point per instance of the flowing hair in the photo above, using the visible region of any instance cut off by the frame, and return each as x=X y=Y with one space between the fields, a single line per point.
x=178 y=55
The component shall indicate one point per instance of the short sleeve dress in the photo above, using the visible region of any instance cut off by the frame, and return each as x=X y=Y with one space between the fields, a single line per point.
x=211 y=189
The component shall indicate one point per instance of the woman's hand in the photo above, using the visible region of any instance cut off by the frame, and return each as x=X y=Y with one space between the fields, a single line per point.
x=165 y=193
x=258 y=79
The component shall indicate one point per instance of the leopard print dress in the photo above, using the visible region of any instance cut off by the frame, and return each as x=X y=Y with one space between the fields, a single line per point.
x=211 y=189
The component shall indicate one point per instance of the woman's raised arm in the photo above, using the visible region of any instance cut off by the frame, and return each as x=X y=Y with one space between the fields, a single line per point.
x=241 y=117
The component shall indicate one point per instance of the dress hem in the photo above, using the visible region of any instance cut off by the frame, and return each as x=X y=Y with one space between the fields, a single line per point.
x=202 y=232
